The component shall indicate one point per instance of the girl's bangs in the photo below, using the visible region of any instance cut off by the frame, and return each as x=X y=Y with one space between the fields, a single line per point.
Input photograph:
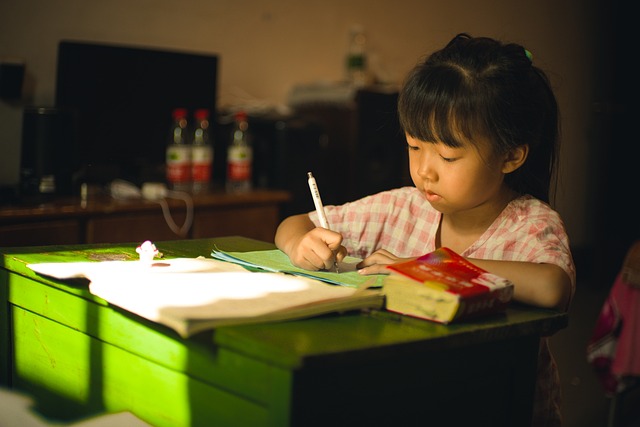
x=438 y=112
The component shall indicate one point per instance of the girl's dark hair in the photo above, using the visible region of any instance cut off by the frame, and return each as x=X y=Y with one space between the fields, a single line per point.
x=477 y=86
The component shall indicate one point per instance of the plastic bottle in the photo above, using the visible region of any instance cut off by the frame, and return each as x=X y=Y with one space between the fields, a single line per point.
x=357 y=73
x=239 y=156
x=201 y=153
x=178 y=159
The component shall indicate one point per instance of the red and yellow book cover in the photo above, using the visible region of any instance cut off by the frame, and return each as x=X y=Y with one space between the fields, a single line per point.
x=444 y=287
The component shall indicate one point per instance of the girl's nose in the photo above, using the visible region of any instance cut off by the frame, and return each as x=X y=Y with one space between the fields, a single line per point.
x=425 y=167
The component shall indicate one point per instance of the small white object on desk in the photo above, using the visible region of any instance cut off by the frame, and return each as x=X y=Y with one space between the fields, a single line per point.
x=147 y=251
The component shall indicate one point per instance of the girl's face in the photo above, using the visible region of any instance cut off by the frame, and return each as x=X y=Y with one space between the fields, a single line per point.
x=456 y=179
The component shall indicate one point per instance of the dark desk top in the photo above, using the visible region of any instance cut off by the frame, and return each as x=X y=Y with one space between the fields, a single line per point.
x=104 y=204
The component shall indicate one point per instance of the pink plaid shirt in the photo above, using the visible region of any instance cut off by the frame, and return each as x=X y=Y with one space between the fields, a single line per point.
x=404 y=223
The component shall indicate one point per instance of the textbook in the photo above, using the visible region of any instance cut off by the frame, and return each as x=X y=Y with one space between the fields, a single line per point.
x=194 y=295
x=277 y=261
x=444 y=287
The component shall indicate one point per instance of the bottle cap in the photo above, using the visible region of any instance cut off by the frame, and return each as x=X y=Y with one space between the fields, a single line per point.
x=179 y=113
x=201 y=113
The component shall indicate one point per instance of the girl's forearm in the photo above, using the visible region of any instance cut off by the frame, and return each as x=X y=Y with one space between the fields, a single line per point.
x=290 y=230
x=541 y=285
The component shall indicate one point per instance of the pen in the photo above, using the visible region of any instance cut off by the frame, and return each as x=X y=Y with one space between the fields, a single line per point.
x=317 y=201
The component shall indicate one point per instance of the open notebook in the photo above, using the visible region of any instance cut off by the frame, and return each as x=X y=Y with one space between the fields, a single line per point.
x=277 y=261
x=193 y=295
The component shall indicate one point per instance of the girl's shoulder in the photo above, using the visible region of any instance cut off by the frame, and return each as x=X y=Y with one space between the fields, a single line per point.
x=528 y=208
x=527 y=214
x=401 y=195
x=399 y=204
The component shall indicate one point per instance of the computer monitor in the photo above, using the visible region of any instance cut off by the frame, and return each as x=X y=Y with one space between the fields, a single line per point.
x=123 y=97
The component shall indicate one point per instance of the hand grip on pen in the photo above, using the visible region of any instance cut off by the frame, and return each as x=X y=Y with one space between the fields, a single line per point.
x=317 y=201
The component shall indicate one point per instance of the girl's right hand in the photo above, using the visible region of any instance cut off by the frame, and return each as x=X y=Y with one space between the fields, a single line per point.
x=317 y=249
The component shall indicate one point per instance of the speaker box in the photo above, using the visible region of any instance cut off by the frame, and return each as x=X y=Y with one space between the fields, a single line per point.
x=48 y=153
x=11 y=79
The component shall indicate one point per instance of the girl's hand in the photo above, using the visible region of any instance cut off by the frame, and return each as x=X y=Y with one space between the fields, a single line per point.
x=376 y=262
x=317 y=249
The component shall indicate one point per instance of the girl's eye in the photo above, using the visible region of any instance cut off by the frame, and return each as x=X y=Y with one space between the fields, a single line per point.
x=412 y=147
x=449 y=159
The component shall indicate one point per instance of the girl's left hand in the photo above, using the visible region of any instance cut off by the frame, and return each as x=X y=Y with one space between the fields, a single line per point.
x=376 y=262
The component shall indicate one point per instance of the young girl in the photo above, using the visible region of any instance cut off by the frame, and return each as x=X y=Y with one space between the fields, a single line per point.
x=481 y=124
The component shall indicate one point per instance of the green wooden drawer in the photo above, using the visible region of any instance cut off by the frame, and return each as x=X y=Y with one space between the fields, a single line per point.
x=71 y=374
x=76 y=345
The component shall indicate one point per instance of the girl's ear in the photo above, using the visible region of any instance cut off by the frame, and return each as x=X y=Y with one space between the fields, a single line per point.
x=515 y=158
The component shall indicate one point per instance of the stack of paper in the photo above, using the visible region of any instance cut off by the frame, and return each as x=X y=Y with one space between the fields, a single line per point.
x=192 y=295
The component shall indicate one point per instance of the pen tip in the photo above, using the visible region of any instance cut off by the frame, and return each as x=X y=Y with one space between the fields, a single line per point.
x=309 y=175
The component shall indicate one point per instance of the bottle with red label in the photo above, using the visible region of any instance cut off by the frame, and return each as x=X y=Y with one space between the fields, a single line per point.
x=178 y=158
x=201 y=153
x=239 y=156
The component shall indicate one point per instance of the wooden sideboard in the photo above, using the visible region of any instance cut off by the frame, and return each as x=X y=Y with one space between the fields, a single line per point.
x=103 y=219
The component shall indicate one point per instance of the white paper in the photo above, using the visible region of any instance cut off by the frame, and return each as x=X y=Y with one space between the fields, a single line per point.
x=183 y=291
x=73 y=270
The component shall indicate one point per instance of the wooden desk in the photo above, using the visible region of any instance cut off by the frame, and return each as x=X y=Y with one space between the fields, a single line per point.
x=77 y=356
x=103 y=219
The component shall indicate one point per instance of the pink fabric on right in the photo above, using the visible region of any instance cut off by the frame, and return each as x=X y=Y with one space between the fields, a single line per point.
x=614 y=348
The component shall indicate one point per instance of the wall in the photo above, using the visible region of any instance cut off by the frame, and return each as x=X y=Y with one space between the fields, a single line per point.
x=267 y=47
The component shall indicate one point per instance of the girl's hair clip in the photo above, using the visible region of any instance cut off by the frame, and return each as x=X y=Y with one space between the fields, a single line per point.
x=528 y=55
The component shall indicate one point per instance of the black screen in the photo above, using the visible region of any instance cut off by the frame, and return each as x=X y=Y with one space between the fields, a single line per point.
x=123 y=97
